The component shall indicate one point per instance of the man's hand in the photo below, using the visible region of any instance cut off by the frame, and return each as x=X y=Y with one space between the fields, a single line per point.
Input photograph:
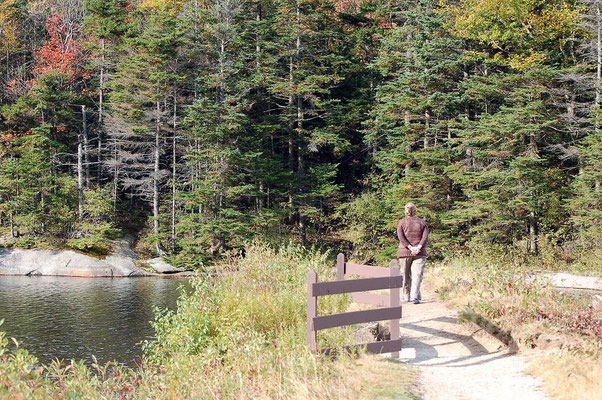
x=414 y=250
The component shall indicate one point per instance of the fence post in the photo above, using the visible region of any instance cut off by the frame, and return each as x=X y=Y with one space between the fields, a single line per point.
x=394 y=302
x=312 y=308
x=340 y=266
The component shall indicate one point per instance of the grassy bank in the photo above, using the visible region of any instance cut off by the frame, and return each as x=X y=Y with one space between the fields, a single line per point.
x=506 y=297
x=240 y=334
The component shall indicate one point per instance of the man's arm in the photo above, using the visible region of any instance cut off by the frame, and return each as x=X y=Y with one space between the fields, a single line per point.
x=425 y=235
x=401 y=236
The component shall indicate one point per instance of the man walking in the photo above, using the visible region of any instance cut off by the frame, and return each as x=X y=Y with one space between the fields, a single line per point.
x=413 y=234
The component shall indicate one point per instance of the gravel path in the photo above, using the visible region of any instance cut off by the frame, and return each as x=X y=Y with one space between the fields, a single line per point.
x=459 y=363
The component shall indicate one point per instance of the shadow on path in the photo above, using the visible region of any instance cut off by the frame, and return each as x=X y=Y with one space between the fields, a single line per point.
x=440 y=340
x=460 y=361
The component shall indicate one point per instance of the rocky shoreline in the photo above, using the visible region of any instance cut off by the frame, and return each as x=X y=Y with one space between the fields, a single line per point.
x=121 y=263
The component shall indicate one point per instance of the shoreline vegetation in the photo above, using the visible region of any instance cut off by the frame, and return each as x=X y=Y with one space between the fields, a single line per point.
x=241 y=334
x=237 y=335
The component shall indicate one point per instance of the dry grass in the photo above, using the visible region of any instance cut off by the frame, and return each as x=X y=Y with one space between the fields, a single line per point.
x=238 y=337
x=369 y=377
x=513 y=299
x=569 y=376
x=288 y=377
x=505 y=298
x=386 y=379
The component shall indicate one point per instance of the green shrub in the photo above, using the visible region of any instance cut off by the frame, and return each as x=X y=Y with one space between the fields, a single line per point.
x=261 y=297
x=239 y=334
x=95 y=246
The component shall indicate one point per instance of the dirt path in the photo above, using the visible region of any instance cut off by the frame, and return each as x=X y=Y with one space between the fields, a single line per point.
x=456 y=362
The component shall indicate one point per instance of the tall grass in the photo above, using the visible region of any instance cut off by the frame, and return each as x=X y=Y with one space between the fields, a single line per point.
x=240 y=334
x=516 y=299
x=507 y=298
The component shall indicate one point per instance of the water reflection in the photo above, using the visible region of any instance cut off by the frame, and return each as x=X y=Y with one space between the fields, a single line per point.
x=64 y=318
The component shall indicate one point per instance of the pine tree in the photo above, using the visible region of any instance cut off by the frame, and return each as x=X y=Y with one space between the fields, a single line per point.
x=223 y=158
x=507 y=163
x=142 y=87
x=415 y=105
x=306 y=69
x=106 y=22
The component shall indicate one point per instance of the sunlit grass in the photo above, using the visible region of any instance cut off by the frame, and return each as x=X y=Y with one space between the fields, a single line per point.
x=240 y=334
x=509 y=300
x=569 y=376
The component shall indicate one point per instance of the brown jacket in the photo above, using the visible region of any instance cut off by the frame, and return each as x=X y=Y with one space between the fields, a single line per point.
x=412 y=231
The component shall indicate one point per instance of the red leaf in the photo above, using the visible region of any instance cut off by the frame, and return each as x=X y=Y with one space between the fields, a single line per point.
x=61 y=52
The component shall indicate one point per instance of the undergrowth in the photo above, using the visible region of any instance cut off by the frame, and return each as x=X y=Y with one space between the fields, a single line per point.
x=240 y=334
x=515 y=297
x=512 y=300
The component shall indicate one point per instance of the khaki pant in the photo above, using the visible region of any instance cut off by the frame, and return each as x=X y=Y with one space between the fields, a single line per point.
x=412 y=269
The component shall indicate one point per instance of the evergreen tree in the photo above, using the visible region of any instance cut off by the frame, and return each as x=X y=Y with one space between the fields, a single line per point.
x=409 y=126
x=106 y=24
x=220 y=195
x=142 y=87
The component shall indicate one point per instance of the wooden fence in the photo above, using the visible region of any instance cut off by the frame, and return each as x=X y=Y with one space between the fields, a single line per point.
x=379 y=278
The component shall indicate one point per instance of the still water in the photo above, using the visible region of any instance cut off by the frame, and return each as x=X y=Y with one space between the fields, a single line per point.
x=64 y=318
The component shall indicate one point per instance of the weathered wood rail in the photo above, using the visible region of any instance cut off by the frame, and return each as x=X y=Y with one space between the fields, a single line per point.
x=378 y=278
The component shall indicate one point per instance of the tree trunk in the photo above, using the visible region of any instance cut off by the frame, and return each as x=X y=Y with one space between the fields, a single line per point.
x=101 y=84
x=100 y=113
x=300 y=116
x=99 y=158
x=156 y=178
x=257 y=43
x=195 y=30
x=300 y=170
x=533 y=248
x=199 y=171
x=427 y=123
x=222 y=61
x=80 y=183
x=173 y=173
x=261 y=197
x=115 y=174
x=570 y=107
x=598 y=59
x=291 y=156
x=42 y=204
x=85 y=149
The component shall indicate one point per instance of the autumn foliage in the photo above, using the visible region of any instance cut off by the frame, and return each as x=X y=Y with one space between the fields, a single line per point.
x=61 y=53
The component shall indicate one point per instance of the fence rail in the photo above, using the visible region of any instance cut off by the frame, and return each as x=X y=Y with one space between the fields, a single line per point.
x=378 y=278
x=356 y=285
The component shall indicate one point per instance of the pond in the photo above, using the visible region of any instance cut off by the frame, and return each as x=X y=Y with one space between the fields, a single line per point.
x=65 y=318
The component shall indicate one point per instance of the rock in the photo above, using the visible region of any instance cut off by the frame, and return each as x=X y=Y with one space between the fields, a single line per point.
x=160 y=266
x=374 y=332
x=35 y=272
x=562 y=280
x=121 y=263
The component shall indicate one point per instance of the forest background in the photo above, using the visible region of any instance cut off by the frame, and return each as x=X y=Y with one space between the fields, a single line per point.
x=199 y=125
